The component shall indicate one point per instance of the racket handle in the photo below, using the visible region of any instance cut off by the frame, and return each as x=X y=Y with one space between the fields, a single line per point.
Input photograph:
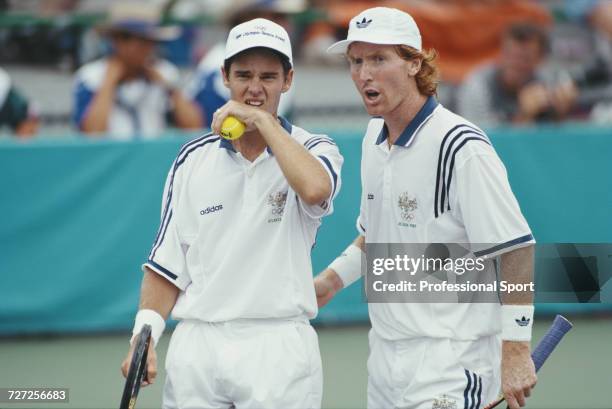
x=549 y=342
x=542 y=351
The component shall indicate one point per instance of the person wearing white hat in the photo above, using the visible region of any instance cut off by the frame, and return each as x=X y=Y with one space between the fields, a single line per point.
x=131 y=93
x=232 y=256
x=206 y=88
x=430 y=176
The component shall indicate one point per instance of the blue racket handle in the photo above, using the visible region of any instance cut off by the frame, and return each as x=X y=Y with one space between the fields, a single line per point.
x=547 y=344
x=549 y=341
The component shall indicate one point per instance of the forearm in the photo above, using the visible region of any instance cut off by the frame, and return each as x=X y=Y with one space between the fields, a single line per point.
x=186 y=114
x=96 y=117
x=517 y=268
x=305 y=174
x=157 y=294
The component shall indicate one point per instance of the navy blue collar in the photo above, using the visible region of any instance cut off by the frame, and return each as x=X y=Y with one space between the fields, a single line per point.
x=227 y=144
x=285 y=124
x=408 y=134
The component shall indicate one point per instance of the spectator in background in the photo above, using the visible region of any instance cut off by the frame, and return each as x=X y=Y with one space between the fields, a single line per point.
x=446 y=25
x=517 y=89
x=15 y=110
x=131 y=92
x=206 y=88
x=596 y=73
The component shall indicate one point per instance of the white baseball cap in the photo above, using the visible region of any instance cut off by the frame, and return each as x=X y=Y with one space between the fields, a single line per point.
x=258 y=33
x=380 y=25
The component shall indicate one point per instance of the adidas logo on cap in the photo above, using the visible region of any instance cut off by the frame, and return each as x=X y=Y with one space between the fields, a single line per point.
x=363 y=23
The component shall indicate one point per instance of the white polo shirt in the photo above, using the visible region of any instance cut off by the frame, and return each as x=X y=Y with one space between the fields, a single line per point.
x=441 y=182
x=234 y=236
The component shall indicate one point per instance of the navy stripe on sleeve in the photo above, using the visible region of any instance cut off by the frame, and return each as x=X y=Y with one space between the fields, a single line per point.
x=320 y=142
x=502 y=246
x=162 y=269
x=446 y=190
x=446 y=152
x=333 y=173
x=312 y=142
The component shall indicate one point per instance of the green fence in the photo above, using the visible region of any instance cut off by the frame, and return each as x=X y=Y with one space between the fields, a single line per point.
x=79 y=216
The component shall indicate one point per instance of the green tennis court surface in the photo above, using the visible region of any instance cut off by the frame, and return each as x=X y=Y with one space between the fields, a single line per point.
x=578 y=374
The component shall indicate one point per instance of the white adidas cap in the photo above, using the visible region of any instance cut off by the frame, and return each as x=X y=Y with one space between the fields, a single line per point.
x=380 y=25
x=258 y=33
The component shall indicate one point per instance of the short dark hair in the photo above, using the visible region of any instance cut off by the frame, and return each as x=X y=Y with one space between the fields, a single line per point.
x=527 y=31
x=284 y=60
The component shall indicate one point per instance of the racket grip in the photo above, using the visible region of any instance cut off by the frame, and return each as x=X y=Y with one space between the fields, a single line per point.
x=542 y=351
x=549 y=342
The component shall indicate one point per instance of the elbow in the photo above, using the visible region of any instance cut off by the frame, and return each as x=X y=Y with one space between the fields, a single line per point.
x=316 y=194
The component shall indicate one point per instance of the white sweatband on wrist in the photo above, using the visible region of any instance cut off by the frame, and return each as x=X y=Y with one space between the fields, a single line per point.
x=154 y=319
x=517 y=322
x=348 y=265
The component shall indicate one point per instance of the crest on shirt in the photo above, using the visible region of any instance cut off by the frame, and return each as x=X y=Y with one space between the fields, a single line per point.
x=444 y=403
x=407 y=204
x=277 y=203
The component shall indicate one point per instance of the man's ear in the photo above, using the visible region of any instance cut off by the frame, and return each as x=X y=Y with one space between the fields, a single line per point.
x=414 y=66
x=288 y=81
x=225 y=76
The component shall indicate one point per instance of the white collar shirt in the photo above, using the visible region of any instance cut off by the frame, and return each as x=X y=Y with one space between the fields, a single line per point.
x=441 y=182
x=235 y=237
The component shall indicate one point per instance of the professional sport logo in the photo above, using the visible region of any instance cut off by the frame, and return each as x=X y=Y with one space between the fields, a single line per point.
x=363 y=23
x=277 y=202
x=444 y=403
x=407 y=204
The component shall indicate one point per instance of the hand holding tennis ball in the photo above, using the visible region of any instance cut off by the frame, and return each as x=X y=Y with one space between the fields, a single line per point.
x=232 y=128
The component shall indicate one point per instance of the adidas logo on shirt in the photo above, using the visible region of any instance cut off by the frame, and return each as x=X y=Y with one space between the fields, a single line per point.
x=211 y=209
x=523 y=322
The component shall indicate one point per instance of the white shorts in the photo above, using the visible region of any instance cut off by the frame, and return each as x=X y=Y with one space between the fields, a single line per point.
x=426 y=373
x=243 y=364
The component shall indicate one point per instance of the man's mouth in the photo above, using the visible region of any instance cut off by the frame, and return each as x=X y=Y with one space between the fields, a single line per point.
x=371 y=95
x=254 y=103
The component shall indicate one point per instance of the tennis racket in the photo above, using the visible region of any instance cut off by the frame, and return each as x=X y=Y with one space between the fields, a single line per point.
x=542 y=351
x=138 y=369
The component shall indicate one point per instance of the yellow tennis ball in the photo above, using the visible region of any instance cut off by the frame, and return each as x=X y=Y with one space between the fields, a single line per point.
x=232 y=128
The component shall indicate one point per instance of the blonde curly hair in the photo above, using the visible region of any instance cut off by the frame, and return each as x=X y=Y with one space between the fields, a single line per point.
x=428 y=77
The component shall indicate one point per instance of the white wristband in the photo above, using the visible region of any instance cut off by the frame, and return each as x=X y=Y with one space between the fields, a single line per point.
x=348 y=265
x=154 y=319
x=517 y=322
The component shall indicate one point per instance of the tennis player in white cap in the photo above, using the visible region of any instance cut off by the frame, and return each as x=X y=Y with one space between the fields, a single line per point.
x=430 y=176
x=232 y=256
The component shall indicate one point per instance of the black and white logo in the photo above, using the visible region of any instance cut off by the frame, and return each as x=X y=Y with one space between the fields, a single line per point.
x=523 y=322
x=211 y=209
x=364 y=23
x=407 y=204
x=277 y=203
x=443 y=402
